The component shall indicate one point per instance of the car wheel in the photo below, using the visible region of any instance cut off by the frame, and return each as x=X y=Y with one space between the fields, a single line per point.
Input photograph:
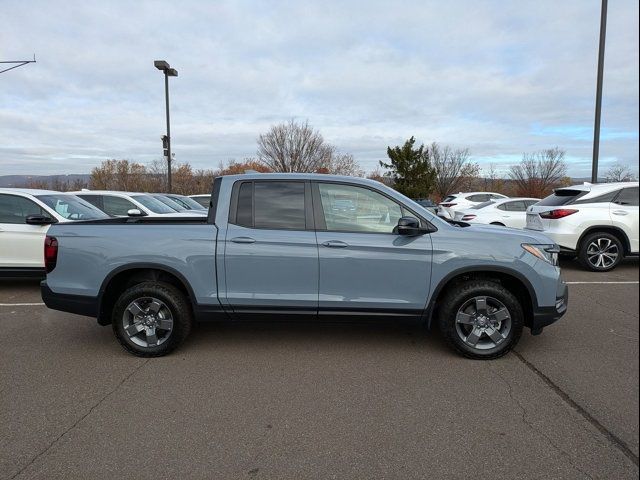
x=481 y=319
x=600 y=252
x=151 y=319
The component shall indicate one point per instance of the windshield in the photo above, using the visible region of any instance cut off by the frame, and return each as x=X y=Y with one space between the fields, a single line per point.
x=170 y=203
x=186 y=202
x=72 y=207
x=483 y=204
x=156 y=206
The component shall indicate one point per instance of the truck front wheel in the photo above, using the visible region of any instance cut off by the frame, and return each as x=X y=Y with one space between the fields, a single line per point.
x=150 y=319
x=481 y=319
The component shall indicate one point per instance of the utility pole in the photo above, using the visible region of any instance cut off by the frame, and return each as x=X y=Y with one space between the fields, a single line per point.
x=596 y=127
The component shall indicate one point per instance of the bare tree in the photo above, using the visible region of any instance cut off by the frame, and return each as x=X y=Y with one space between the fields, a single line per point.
x=492 y=182
x=294 y=147
x=344 y=164
x=539 y=172
x=619 y=173
x=454 y=170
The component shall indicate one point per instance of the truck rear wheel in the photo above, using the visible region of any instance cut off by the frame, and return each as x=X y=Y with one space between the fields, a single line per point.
x=481 y=319
x=151 y=319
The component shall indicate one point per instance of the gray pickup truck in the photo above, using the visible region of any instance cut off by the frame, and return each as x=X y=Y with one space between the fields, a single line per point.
x=304 y=246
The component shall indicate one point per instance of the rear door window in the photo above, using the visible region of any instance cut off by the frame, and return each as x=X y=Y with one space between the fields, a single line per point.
x=271 y=205
x=628 y=196
x=516 y=206
x=481 y=197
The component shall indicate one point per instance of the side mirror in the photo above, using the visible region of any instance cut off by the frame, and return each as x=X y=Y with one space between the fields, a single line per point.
x=38 y=219
x=409 y=226
x=134 y=212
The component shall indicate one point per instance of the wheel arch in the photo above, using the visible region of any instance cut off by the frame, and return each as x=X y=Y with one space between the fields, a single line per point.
x=124 y=277
x=615 y=231
x=512 y=280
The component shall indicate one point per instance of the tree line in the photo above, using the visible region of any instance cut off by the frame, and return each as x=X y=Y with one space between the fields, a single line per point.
x=418 y=171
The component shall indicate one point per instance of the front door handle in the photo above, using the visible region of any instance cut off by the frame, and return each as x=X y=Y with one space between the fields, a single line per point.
x=335 y=244
x=620 y=212
x=243 y=240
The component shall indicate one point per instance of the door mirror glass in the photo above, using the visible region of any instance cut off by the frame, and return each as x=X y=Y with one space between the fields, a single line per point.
x=135 y=212
x=38 y=219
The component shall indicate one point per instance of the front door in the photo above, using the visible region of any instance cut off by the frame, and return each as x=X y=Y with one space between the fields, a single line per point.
x=21 y=244
x=624 y=214
x=365 y=268
x=271 y=254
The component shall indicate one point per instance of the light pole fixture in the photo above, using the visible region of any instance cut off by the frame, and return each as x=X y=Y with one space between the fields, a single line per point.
x=166 y=139
x=15 y=63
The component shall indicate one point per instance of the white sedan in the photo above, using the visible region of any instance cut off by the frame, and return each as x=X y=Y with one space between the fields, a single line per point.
x=507 y=212
x=25 y=216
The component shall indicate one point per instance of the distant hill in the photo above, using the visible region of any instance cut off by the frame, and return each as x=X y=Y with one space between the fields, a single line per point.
x=17 y=181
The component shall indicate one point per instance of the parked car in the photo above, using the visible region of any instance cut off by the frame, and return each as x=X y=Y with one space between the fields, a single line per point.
x=596 y=222
x=123 y=204
x=461 y=201
x=506 y=212
x=187 y=202
x=178 y=207
x=428 y=204
x=25 y=217
x=275 y=246
x=202 y=199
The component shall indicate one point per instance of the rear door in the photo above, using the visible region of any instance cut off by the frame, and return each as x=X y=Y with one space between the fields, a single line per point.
x=367 y=270
x=624 y=214
x=21 y=244
x=513 y=214
x=271 y=254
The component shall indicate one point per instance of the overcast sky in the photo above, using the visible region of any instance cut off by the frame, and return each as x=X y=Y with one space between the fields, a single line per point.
x=498 y=77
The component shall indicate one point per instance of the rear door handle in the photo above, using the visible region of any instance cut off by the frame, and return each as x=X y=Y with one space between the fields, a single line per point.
x=335 y=244
x=243 y=240
x=620 y=212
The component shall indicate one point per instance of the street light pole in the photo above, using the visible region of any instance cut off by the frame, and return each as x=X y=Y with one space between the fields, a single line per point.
x=166 y=101
x=596 y=127
x=166 y=140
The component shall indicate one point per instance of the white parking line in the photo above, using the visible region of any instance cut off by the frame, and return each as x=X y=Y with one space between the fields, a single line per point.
x=21 y=304
x=603 y=283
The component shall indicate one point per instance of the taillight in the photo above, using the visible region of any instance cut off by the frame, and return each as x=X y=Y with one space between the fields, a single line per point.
x=468 y=217
x=447 y=205
x=50 y=253
x=559 y=213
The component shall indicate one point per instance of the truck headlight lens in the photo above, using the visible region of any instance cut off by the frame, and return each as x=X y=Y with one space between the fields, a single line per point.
x=548 y=253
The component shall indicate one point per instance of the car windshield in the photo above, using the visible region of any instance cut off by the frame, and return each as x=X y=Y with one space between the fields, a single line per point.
x=72 y=207
x=169 y=202
x=203 y=200
x=186 y=202
x=156 y=206
x=482 y=205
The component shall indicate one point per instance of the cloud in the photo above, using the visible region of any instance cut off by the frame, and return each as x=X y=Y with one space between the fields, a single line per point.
x=499 y=77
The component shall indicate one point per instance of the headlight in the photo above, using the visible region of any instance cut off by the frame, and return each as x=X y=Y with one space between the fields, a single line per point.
x=548 y=253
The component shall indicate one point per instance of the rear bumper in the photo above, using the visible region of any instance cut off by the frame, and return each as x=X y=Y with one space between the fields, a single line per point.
x=78 y=304
x=544 y=316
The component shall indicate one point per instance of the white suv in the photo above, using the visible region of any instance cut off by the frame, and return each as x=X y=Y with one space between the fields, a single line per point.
x=461 y=201
x=598 y=222
x=25 y=217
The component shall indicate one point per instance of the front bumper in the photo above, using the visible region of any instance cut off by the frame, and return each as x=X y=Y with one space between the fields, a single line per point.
x=78 y=304
x=544 y=316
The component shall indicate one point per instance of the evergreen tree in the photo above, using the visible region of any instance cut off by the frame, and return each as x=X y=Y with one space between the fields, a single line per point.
x=410 y=169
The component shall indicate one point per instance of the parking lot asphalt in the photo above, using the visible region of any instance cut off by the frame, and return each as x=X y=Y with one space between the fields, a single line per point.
x=322 y=401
